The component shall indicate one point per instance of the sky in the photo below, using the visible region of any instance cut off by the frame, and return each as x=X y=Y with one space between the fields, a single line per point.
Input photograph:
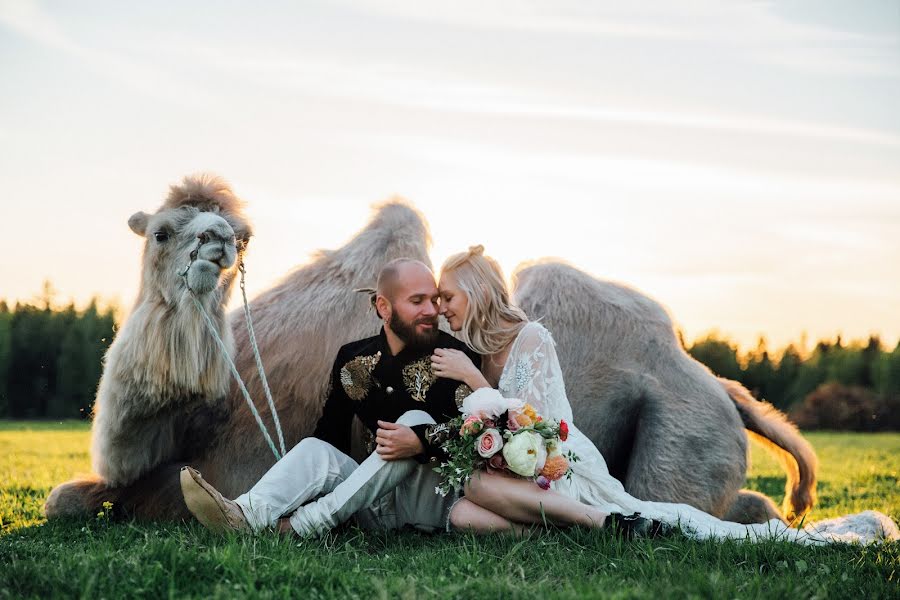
x=737 y=161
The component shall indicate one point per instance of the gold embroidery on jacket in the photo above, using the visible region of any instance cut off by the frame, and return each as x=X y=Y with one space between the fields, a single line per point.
x=418 y=377
x=356 y=375
x=437 y=434
x=369 y=441
x=461 y=392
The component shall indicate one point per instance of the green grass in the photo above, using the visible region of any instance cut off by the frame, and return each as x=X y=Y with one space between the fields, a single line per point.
x=109 y=560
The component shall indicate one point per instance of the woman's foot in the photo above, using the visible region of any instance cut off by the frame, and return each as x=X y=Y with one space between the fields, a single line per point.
x=634 y=525
x=212 y=509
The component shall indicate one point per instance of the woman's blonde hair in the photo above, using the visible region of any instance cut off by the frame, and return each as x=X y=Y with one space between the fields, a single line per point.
x=481 y=280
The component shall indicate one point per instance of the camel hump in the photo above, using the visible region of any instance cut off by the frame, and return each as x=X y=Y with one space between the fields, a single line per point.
x=557 y=285
x=771 y=427
x=400 y=218
x=396 y=229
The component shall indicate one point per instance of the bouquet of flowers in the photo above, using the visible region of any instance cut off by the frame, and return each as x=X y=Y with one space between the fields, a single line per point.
x=505 y=434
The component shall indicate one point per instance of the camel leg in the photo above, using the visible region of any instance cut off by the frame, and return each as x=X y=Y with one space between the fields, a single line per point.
x=752 y=507
x=154 y=497
x=682 y=460
x=78 y=499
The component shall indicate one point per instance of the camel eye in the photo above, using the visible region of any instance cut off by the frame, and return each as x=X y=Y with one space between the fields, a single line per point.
x=161 y=236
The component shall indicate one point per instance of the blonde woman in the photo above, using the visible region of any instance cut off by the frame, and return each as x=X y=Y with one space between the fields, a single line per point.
x=518 y=358
x=519 y=361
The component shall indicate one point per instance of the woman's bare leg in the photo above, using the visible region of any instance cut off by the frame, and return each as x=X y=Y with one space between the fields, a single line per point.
x=468 y=516
x=523 y=501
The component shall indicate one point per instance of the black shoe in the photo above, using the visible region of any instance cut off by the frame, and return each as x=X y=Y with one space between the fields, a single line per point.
x=634 y=525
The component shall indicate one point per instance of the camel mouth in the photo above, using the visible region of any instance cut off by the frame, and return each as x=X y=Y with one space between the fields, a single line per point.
x=204 y=276
x=217 y=263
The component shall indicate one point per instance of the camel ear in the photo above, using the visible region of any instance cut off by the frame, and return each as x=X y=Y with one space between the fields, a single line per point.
x=138 y=222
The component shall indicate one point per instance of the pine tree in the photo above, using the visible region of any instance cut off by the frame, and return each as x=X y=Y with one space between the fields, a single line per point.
x=5 y=356
x=719 y=355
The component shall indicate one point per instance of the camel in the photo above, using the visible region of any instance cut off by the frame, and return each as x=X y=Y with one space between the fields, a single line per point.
x=667 y=439
x=159 y=398
x=667 y=427
x=165 y=399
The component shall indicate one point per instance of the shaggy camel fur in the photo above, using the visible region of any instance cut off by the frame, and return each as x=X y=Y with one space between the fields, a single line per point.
x=300 y=325
x=163 y=382
x=668 y=427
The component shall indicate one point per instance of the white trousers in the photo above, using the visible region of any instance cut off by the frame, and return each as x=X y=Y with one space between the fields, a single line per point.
x=320 y=487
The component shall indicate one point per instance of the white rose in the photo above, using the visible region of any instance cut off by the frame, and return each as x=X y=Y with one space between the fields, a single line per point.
x=488 y=403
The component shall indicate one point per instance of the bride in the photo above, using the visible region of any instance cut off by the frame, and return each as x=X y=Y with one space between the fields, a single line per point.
x=520 y=361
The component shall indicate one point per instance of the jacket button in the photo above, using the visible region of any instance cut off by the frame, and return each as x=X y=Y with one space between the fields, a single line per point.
x=389 y=390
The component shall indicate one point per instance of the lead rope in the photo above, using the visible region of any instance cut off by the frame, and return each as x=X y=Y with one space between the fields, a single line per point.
x=259 y=365
x=231 y=365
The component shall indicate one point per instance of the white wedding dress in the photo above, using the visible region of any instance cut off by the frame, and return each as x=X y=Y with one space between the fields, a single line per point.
x=532 y=373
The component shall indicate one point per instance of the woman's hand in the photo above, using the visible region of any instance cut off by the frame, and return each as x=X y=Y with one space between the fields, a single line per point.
x=455 y=364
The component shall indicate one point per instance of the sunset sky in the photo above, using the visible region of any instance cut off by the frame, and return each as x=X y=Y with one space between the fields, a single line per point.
x=737 y=161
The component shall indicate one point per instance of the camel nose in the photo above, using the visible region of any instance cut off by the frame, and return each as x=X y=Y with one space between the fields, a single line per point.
x=214 y=247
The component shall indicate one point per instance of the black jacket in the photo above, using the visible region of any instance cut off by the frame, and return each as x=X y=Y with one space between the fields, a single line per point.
x=369 y=382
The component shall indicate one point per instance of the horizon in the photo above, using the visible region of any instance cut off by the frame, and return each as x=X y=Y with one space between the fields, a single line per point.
x=803 y=343
x=737 y=162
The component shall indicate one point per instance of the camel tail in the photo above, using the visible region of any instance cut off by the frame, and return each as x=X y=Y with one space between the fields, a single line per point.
x=769 y=426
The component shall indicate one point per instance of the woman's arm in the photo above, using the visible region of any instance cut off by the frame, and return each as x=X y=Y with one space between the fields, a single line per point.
x=534 y=371
x=455 y=364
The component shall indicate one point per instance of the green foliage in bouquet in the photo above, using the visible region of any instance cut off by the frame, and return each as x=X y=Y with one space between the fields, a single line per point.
x=471 y=443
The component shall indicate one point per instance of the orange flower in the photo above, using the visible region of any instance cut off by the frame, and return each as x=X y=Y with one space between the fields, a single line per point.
x=471 y=426
x=529 y=410
x=522 y=419
x=555 y=467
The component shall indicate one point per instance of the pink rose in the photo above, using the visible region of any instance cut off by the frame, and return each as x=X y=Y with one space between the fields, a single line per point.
x=489 y=443
x=470 y=426
x=512 y=424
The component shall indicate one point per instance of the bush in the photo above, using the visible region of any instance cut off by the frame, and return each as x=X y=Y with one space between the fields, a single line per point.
x=837 y=406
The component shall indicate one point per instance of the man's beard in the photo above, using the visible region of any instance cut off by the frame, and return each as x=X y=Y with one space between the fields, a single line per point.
x=413 y=339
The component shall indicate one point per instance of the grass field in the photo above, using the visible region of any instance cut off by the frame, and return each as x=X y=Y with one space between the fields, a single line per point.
x=110 y=560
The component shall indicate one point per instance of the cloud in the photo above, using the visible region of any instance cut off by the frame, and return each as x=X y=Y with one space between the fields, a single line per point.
x=750 y=29
x=702 y=182
x=409 y=86
x=26 y=18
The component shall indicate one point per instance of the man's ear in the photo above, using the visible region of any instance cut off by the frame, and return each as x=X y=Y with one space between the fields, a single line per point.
x=383 y=308
x=138 y=222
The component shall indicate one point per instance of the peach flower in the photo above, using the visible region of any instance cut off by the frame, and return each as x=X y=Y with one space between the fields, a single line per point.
x=471 y=426
x=555 y=467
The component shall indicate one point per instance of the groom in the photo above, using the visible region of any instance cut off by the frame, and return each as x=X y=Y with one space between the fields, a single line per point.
x=387 y=381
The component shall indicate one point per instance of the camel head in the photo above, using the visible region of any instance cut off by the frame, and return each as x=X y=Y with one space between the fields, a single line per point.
x=199 y=230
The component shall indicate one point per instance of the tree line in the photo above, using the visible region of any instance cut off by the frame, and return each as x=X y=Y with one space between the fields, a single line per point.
x=837 y=385
x=51 y=359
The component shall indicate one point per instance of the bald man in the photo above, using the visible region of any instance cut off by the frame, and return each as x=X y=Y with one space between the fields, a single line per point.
x=387 y=381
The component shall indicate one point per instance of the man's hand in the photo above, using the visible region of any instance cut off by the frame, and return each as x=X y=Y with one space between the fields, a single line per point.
x=396 y=441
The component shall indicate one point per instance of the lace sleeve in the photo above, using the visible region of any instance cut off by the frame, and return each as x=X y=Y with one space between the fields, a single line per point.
x=534 y=375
